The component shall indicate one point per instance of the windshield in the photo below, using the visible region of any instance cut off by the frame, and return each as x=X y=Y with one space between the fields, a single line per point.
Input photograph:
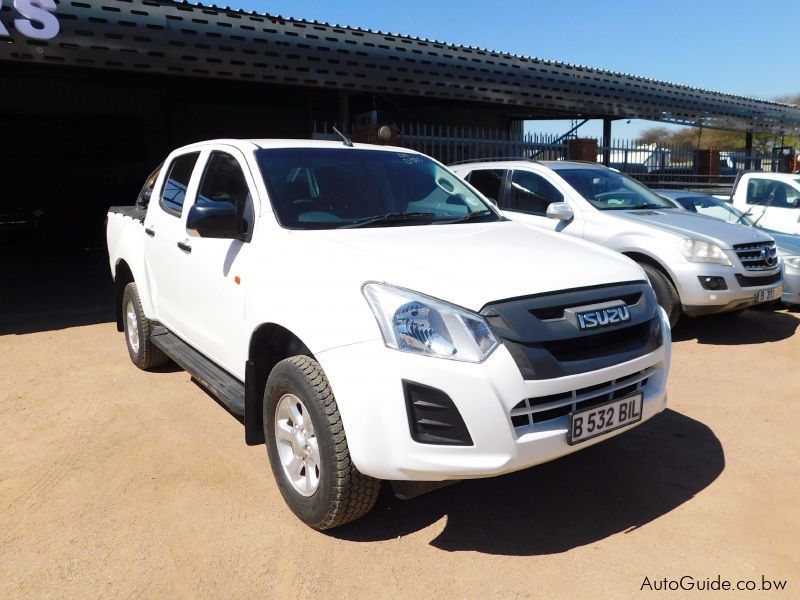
x=329 y=188
x=609 y=190
x=712 y=207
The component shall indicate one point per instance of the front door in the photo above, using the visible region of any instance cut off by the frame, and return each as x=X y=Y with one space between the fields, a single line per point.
x=774 y=204
x=215 y=274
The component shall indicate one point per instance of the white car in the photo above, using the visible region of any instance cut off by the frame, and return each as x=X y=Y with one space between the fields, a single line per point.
x=697 y=265
x=771 y=199
x=371 y=317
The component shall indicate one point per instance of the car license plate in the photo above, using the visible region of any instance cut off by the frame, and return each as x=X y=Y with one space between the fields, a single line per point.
x=767 y=295
x=598 y=420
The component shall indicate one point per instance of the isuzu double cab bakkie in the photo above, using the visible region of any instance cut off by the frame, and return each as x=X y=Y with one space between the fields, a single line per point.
x=372 y=317
x=697 y=265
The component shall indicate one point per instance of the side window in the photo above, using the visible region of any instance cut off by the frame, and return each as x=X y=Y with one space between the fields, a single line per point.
x=224 y=181
x=532 y=193
x=147 y=189
x=768 y=192
x=178 y=176
x=488 y=182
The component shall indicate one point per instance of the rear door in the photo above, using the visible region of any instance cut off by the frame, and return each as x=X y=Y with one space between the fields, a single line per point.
x=165 y=232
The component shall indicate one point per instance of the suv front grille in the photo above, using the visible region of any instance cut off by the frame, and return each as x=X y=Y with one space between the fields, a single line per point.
x=543 y=336
x=745 y=281
x=533 y=411
x=758 y=256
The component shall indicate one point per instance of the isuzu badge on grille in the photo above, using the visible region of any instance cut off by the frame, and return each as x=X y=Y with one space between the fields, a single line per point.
x=598 y=315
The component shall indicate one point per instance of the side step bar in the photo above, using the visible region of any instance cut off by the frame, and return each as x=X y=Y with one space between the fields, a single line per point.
x=221 y=384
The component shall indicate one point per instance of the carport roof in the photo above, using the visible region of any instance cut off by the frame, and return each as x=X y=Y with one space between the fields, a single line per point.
x=199 y=40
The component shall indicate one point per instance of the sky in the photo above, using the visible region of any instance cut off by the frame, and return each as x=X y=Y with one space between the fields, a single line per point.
x=733 y=46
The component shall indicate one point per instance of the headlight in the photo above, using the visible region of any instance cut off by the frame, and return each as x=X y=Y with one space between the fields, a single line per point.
x=699 y=251
x=792 y=261
x=411 y=322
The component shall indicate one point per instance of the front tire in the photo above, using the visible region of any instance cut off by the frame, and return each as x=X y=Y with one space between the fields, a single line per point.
x=144 y=354
x=307 y=447
x=666 y=294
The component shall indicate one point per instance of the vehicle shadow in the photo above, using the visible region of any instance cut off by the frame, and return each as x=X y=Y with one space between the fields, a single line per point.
x=44 y=289
x=610 y=488
x=749 y=327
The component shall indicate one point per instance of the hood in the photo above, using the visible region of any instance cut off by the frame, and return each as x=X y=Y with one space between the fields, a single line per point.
x=695 y=226
x=788 y=244
x=468 y=265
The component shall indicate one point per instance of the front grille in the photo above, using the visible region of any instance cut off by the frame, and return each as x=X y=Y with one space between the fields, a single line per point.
x=543 y=335
x=535 y=411
x=745 y=281
x=758 y=256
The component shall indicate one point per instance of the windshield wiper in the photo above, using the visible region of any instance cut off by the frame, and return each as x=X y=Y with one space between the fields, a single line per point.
x=743 y=216
x=395 y=217
x=470 y=217
x=650 y=206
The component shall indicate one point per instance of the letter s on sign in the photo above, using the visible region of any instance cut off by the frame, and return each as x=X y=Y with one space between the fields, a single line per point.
x=38 y=11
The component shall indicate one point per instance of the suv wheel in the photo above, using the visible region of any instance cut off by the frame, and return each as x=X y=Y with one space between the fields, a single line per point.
x=666 y=294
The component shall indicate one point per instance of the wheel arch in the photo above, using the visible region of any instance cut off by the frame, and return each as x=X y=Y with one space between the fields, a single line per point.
x=270 y=343
x=641 y=257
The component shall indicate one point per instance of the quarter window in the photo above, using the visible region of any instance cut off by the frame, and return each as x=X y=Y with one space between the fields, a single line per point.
x=532 y=193
x=488 y=182
x=174 y=193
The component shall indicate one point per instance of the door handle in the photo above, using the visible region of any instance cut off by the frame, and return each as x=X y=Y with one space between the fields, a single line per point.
x=150 y=232
x=185 y=247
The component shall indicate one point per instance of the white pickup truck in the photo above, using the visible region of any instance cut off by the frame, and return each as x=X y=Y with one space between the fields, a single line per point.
x=371 y=317
x=771 y=200
x=697 y=265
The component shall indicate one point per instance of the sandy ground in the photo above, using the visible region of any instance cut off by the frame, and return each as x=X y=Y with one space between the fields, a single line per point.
x=119 y=483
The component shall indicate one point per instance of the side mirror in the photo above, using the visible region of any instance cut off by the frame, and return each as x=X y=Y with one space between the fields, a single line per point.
x=560 y=211
x=217 y=220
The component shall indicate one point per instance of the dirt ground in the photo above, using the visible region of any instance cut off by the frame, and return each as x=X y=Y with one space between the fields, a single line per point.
x=119 y=483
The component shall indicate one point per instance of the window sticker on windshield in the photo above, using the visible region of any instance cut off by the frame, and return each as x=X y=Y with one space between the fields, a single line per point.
x=473 y=202
x=409 y=159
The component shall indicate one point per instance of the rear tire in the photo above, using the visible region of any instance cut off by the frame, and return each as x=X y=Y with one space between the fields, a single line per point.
x=666 y=294
x=307 y=448
x=144 y=354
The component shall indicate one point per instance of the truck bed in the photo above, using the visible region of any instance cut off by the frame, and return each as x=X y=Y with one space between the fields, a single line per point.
x=134 y=212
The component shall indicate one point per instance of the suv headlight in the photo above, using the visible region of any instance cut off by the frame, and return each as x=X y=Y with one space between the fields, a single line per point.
x=412 y=322
x=703 y=252
x=792 y=261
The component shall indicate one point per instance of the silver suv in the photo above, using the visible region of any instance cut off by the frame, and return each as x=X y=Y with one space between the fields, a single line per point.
x=697 y=265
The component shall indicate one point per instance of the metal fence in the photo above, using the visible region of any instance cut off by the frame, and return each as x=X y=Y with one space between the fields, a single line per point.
x=677 y=166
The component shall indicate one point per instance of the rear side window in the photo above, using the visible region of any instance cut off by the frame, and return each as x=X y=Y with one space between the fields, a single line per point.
x=532 y=193
x=147 y=189
x=488 y=182
x=174 y=193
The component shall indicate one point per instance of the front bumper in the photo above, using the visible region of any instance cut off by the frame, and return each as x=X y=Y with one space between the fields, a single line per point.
x=366 y=379
x=791 y=285
x=697 y=301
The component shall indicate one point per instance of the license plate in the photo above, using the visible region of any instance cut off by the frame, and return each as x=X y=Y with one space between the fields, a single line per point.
x=598 y=420
x=767 y=295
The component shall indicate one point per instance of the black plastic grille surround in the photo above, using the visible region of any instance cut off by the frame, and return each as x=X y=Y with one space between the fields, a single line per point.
x=545 y=348
x=745 y=281
x=433 y=418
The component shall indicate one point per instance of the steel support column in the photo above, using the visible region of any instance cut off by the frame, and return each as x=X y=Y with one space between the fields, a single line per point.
x=748 y=150
x=606 y=142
